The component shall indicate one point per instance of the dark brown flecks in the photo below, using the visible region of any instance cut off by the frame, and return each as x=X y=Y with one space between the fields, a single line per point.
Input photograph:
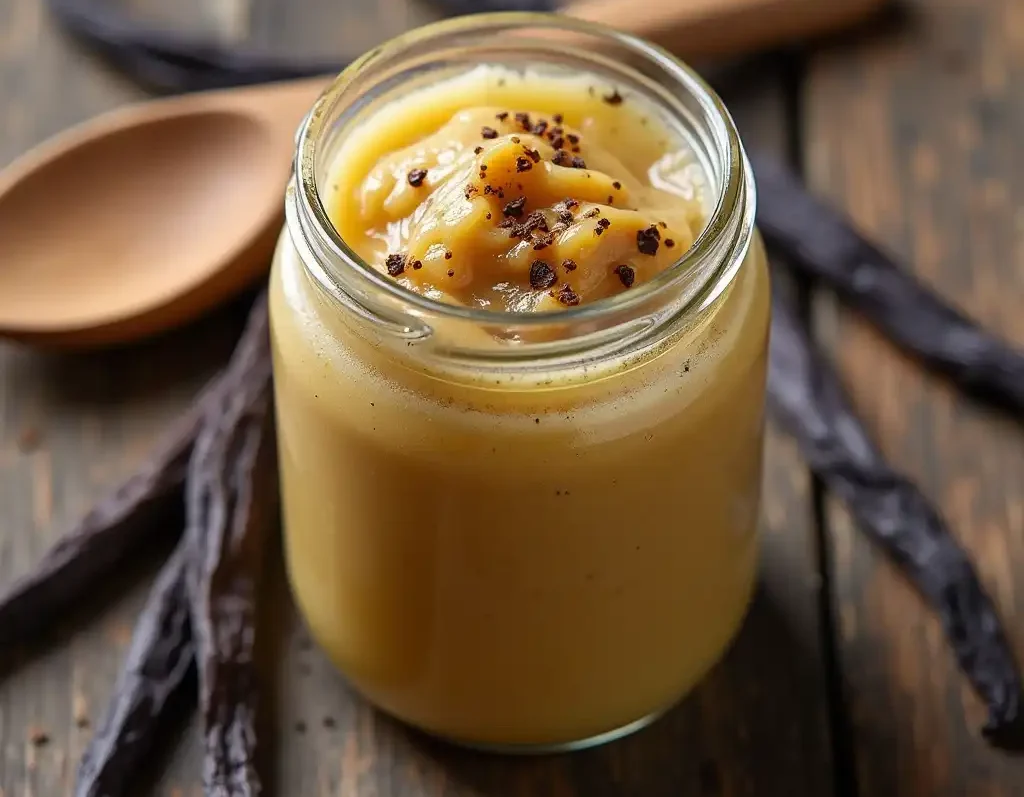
x=488 y=216
x=516 y=139
x=564 y=215
x=523 y=164
x=663 y=225
x=515 y=207
x=626 y=275
x=395 y=264
x=544 y=240
x=568 y=296
x=669 y=243
x=416 y=177
x=558 y=118
x=602 y=225
x=488 y=132
x=578 y=163
x=593 y=212
x=561 y=158
x=477 y=150
x=39 y=737
x=557 y=142
x=534 y=155
x=611 y=199
x=570 y=203
x=540 y=128
x=573 y=138
x=300 y=727
x=483 y=168
x=329 y=722
x=448 y=255
x=501 y=117
x=569 y=264
x=542 y=275
x=647 y=240
x=451 y=272
x=523 y=120
x=471 y=191
x=614 y=98
x=416 y=265
x=537 y=221
x=617 y=185
x=522 y=230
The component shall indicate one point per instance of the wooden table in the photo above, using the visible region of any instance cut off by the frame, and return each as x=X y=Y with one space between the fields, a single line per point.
x=840 y=684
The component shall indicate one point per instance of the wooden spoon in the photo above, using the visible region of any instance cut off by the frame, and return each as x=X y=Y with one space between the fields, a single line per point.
x=150 y=215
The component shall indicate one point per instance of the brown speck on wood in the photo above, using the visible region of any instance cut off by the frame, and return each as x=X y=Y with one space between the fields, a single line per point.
x=329 y=722
x=28 y=439
x=614 y=98
x=39 y=737
x=300 y=726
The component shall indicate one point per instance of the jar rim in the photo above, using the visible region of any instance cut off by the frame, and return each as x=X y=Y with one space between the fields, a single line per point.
x=735 y=189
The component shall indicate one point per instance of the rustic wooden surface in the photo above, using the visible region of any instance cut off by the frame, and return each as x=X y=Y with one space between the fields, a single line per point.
x=921 y=153
x=916 y=132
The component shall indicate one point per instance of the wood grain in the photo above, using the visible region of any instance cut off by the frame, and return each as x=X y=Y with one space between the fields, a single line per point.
x=70 y=426
x=916 y=132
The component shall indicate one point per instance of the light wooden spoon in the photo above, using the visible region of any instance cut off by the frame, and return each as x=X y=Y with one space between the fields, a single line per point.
x=148 y=216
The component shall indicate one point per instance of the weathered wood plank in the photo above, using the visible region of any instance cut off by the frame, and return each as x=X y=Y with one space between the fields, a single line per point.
x=756 y=726
x=916 y=133
x=70 y=426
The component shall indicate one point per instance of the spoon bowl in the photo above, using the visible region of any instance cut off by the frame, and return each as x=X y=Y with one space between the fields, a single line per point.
x=145 y=218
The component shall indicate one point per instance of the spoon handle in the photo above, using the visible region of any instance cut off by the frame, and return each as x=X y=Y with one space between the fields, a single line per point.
x=699 y=28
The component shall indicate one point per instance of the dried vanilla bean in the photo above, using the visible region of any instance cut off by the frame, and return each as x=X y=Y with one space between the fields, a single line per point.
x=156 y=673
x=806 y=396
x=823 y=245
x=232 y=510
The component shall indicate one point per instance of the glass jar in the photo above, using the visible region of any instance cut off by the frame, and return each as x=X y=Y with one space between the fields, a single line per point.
x=521 y=531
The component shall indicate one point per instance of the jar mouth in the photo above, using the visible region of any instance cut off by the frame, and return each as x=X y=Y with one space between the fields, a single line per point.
x=734 y=195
